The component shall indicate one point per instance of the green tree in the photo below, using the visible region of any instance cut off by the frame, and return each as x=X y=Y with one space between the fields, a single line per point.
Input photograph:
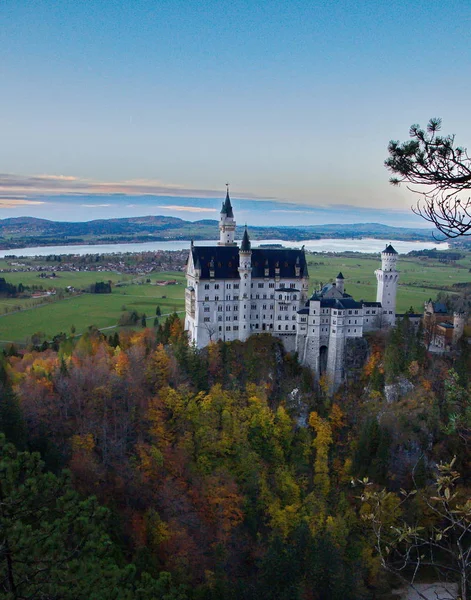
x=55 y=545
x=441 y=171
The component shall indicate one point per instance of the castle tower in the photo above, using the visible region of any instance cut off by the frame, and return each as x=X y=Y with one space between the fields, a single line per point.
x=227 y=223
x=339 y=283
x=245 y=272
x=459 y=321
x=387 y=278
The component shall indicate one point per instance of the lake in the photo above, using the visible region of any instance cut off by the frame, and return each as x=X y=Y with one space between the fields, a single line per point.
x=369 y=245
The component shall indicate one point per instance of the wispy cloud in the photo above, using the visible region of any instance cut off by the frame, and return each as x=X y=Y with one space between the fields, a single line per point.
x=8 y=202
x=67 y=184
x=192 y=209
x=305 y=212
x=95 y=205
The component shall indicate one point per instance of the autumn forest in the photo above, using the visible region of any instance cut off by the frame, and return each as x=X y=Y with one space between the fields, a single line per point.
x=135 y=466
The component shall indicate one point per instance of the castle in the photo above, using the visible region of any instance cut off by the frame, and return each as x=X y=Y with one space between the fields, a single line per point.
x=235 y=292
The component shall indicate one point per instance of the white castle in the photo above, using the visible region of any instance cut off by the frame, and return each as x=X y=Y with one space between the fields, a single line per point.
x=234 y=292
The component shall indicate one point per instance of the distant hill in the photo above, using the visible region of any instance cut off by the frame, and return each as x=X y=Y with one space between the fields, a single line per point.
x=19 y=232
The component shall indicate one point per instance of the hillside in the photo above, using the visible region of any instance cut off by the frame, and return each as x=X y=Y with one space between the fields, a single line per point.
x=21 y=232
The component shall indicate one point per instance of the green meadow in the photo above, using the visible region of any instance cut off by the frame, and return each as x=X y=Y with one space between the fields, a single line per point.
x=419 y=280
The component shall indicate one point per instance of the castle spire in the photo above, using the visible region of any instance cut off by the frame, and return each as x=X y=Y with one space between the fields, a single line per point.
x=226 y=205
x=245 y=246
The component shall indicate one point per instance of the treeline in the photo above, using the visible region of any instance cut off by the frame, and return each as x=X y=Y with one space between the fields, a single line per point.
x=9 y=289
x=225 y=472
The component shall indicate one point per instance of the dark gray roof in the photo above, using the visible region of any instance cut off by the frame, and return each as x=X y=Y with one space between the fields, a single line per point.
x=303 y=311
x=389 y=250
x=245 y=246
x=226 y=262
x=227 y=206
x=340 y=303
x=439 y=307
x=285 y=289
x=340 y=276
x=371 y=303
x=446 y=325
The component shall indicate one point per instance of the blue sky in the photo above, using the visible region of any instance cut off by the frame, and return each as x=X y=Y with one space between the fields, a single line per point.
x=292 y=102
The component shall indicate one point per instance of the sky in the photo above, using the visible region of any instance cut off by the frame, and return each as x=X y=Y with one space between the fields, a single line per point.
x=122 y=108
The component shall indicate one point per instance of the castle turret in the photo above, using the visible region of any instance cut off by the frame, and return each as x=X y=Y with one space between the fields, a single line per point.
x=387 y=278
x=227 y=223
x=245 y=272
x=339 y=283
x=459 y=321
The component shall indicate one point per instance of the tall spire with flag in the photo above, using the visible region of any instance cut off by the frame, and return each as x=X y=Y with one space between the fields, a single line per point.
x=227 y=223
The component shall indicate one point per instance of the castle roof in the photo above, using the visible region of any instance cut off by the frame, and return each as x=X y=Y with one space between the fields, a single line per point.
x=378 y=304
x=227 y=206
x=340 y=276
x=389 y=250
x=226 y=262
x=245 y=246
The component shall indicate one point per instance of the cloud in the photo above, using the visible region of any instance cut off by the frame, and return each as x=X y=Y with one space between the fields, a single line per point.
x=9 y=202
x=305 y=212
x=194 y=209
x=70 y=185
x=95 y=205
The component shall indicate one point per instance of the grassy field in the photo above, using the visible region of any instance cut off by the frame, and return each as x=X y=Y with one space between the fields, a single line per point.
x=102 y=310
x=419 y=280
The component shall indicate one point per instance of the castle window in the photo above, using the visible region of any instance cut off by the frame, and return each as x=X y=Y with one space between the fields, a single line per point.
x=253 y=306
x=272 y=296
x=206 y=298
x=228 y=308
x=292 y=285
x=206 y=286
x=228 y=297
x=280 y=297
x=294 y=327
x=256 y=325
x=356 y=312
x=236 y=328
x=293 y=318
x=349 y=331
x=216 y=298
x=279 y=327
x=236 y=286
x=219 y=308
x=282 y=285
x=236 y=307
x=334 y=312
x=264 y=296
x=260 y=285
x=354 y=331
x=286 y=318
x=236 y=318
x=286 y=328
x=313 y=312
x=251 y=285
x=367 y=312
x=236 y=297
x=220 y=327
x=390 y=312
x=228 y=318
x=219 y=317
x=271 y=306
x=257 y=296
x=349 y=312
x=334 y=322
x=228 y=327
x=206 y=309
x=207 y=319
x=271 y=285
x=216 y=286
x=228 y=286
x=264 y=307
x=279 y=317
x=333 y=330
